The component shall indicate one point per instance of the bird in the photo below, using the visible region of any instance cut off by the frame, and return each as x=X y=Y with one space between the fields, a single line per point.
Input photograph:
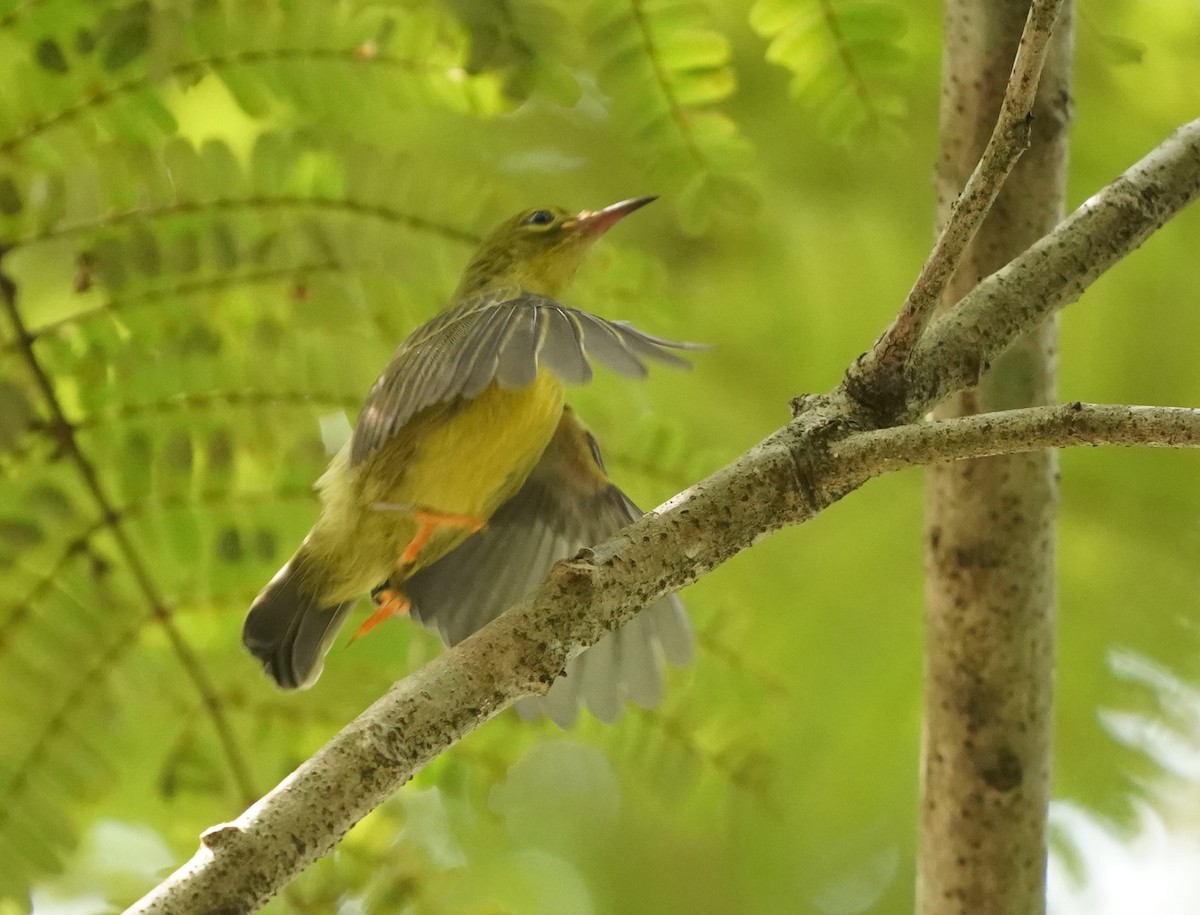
x=467 y=476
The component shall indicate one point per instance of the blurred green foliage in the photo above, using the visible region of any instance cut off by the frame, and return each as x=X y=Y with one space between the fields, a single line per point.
x=220 y=217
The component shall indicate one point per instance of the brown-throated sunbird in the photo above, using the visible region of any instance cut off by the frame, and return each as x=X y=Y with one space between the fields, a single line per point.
x=467 y=425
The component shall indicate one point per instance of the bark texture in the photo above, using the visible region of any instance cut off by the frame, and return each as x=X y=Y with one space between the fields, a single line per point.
x=990 y=549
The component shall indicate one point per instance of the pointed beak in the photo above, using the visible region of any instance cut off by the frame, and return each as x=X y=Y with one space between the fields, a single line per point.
x=597 y=222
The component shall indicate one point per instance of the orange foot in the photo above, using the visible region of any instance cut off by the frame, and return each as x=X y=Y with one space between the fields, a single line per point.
x=429 y=522
x=389 y=603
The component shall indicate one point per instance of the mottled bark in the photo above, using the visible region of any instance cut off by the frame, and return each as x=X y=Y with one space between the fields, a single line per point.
x=990 y=585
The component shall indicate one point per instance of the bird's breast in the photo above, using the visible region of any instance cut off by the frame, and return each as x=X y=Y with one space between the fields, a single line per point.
x=475 y=458
x=456 y=459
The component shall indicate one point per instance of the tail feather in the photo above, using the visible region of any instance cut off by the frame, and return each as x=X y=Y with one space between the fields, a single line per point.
x=623 y=665
x=289 y=631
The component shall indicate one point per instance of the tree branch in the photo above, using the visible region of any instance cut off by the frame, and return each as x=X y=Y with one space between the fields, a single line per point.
x=878 y=370
x=1051 y=274
x=988 y=698
x=980 y=435
x=785 y=479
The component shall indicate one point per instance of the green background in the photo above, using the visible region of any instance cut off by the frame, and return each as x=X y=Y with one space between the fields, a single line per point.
x=223 y=216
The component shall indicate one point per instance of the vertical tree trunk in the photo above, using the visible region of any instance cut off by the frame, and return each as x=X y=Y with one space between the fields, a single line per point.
x=985 y=775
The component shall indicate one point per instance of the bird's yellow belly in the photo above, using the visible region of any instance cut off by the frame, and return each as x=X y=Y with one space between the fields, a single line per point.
x=465 y=460
x=474 y=460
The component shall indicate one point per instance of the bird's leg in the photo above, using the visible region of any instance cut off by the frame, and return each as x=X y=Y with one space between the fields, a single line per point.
x=389 y=602
x=430 y=521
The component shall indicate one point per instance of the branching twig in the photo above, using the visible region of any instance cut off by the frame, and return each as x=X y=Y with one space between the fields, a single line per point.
x=255 y=203
x=785 y=479
x=958 y=347
x=877 y=373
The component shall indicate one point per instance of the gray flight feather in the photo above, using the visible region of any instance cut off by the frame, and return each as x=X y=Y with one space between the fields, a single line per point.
x=557 y=512
x=501 y=336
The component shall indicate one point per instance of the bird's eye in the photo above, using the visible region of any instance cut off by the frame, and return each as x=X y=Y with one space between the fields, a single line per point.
x=539 y=218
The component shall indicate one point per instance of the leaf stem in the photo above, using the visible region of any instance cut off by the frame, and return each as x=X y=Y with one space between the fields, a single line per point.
x=110 y=519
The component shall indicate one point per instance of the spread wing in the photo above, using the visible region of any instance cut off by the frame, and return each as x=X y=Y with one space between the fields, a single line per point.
x=567 y=503
x=503 y=337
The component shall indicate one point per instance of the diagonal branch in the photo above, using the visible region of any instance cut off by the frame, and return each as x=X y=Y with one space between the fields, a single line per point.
x=785 y=479
x=959 y=346
x=663 y=80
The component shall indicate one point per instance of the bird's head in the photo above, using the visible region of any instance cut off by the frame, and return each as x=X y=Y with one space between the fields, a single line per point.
x=540 y=250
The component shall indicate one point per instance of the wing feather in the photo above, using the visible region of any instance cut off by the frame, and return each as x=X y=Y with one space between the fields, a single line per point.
x=471 y=350
x=519 y=355
x=607 y=346
x=559 y=510
x=481 y=369
x=502 y=336
x=652 y=347
x=562 y=352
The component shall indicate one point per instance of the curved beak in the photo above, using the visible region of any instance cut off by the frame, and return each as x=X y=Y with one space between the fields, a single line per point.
x=597 y=222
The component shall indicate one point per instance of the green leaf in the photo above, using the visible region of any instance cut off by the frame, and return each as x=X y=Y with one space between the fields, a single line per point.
x=664 y=68
x=49 y=55
x=844 y=56
x=125 y=43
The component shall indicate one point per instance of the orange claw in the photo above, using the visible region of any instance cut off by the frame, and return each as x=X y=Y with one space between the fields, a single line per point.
x=429 y=522
x=390 y=603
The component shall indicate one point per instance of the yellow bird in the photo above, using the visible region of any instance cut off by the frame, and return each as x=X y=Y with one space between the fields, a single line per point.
x=467 y=477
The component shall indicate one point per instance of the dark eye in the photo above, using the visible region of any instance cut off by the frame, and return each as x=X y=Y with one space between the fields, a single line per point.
x=539 y=218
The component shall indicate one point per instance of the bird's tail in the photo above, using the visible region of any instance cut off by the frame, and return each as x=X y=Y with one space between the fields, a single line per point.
x=288 y=629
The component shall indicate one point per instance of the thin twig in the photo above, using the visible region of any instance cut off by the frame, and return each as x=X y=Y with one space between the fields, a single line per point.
x=880 y=370
x=1053 y=272
x=1012 y=431
x=257 y=202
